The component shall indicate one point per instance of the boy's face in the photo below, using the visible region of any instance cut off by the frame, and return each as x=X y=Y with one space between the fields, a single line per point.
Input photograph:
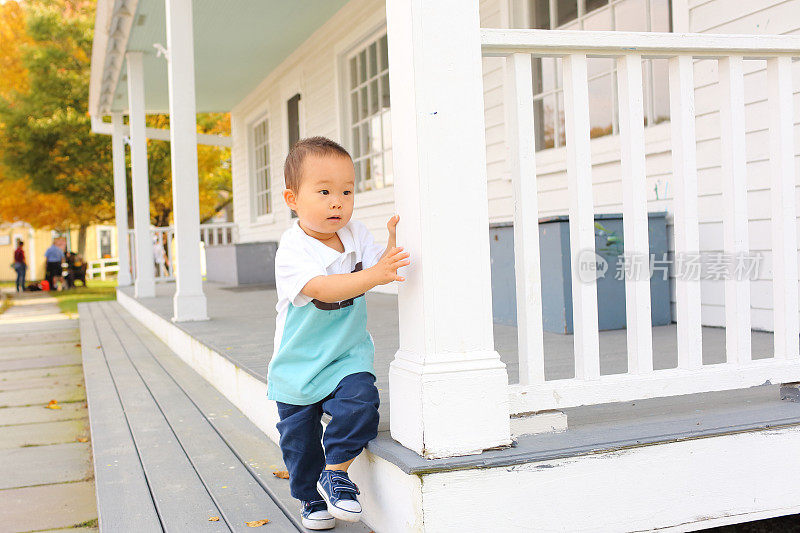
x=324 y=200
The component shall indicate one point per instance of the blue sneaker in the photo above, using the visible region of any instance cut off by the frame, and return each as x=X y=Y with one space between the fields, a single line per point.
x=315 y=516
x=340 y=494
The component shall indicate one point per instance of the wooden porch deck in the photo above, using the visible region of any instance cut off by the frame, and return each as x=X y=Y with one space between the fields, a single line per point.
x=170 y=451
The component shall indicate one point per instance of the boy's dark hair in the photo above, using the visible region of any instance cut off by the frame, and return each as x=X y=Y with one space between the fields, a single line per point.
x=318 y=146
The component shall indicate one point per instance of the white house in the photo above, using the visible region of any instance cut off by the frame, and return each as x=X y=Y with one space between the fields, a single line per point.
x=459 y=113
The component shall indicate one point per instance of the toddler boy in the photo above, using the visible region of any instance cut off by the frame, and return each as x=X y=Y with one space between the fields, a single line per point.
x=323 y=356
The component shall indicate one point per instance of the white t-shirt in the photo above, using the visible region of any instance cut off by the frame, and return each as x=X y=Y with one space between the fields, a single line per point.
x=300 y=258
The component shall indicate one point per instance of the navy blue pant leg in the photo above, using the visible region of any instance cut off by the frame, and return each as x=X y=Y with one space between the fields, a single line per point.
x=353 y=407
x=301 y=444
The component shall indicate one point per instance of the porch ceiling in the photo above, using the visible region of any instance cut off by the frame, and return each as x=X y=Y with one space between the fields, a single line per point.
x=237 y=44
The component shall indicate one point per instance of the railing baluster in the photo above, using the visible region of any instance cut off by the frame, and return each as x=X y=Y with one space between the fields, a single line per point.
x=581 y=216
x=734 y=199
x=784 y=229
x=687 y=235
x=634 y=214
x=522 y=157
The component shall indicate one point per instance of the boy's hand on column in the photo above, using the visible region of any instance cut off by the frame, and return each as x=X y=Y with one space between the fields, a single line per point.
x=386 y=268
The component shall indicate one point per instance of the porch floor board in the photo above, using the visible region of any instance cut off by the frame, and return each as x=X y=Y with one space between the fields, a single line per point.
x=242 y=324
x=191 y=453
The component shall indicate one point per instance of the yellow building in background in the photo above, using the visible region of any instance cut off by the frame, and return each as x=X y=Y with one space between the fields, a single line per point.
x=101 y=242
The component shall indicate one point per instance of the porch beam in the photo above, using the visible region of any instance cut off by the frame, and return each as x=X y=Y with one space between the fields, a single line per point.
x=162 y=134
x=144 y=285
x=120 y=200
x=189 y=302
x=448 y=387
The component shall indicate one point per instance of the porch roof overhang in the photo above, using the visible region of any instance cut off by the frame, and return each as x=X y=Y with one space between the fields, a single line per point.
x=237 y=44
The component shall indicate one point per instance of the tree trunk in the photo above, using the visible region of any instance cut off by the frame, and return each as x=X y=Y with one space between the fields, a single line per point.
x=82 y=240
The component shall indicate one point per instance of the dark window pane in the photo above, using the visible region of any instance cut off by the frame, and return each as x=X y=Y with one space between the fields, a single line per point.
x=567 y=11
x=595 y=4
x=385 y=91
x=362 y=66
x=354 y=106
x=540 y=15
x=356 y=143
x=384 y=46
x=373 y=60
x=353 y=73
x=373 y=96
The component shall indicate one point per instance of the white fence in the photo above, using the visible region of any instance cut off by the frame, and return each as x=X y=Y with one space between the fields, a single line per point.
x=629 y=49
x=210 y=235
x=102 y=268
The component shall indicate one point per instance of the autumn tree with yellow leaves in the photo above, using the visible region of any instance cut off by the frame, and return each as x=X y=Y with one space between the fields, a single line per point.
x=53 y=171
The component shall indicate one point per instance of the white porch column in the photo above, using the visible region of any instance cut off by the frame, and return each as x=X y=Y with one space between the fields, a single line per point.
x=144 y=285
x=448 y=387
x=120 y=199
x=189 y=302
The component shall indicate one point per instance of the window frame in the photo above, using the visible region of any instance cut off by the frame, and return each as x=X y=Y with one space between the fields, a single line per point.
x=525 y=18
x=345 y=92
x=112 y=240
x=254 y=192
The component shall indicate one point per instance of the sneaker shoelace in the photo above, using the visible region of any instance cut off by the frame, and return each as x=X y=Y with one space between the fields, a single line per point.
x=342 y=485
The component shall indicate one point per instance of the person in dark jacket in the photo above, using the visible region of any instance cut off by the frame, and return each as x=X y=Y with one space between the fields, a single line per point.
x=20 y=265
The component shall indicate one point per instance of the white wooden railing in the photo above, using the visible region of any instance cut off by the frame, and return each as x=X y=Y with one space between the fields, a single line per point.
x=103 y=267
x=534 y=393
x=213 y=234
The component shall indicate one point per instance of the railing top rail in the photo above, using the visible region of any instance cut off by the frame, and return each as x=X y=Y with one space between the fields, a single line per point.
x=502 y=42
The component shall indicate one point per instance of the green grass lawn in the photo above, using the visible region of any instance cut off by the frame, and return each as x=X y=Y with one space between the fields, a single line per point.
x=96 y=291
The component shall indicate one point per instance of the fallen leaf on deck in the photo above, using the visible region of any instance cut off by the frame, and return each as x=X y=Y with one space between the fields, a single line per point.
x=52 y=405
x=78 y=344
x=257 y=523
x=214 y=519
x=283 y=474
x=82 y=439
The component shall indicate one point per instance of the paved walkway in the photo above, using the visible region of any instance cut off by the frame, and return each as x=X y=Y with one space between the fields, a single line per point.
x=46 y=475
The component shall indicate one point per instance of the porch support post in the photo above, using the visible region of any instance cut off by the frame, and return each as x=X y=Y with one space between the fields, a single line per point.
x=189 y=302
x=447 y=385
x=120 y=199
x=144 y=285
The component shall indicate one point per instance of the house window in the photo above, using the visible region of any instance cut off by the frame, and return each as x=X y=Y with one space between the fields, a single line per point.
x=369 y=115
x=103 y=242
x=261 y=168
x=597 y=15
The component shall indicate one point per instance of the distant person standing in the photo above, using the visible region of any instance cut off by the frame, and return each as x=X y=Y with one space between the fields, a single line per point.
x=54 y=257
x=20 y=265
x=160 y=259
